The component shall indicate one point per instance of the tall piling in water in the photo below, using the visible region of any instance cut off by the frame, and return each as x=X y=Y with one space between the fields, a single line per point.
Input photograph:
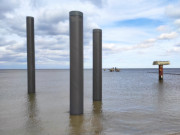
x=30 y=54
x=160 y=72
x=97 y=65
x=160 y=64
x=76 y=62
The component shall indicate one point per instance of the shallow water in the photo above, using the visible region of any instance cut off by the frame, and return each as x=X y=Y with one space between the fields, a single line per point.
x=134 y=103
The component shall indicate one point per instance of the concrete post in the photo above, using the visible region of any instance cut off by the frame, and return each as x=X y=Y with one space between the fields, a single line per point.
x=160 y=72
x=30 y=54
x=76 y=62
x=97 y=64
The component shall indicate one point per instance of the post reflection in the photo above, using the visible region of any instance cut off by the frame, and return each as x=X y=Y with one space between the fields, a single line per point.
x=33 y=122
x=76 y=124
x=160 y=95
x=96 y=121
x=160 y=81
x=87 y=123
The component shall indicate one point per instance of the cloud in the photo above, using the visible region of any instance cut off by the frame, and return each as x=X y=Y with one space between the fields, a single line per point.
x=53 y=43
x=51 y=30
x=52 y=22
x=5 y=42
x=52 y=27
x=173 y=50
x=177 y=22
x=177 y=45
x=115 y=11
x=116 y=48
x=162 y=28
x=47 y=56
x=7 y=7
x=107 y=46
x=173 y=11
x=13 y=52
x=98 y=3
x=151 y=40
x=165 y=36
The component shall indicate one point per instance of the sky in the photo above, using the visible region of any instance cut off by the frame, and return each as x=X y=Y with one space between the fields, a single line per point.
x=135 y=32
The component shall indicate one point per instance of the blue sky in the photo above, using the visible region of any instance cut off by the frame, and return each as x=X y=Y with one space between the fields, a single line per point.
x=135 y=32
x=139 y=22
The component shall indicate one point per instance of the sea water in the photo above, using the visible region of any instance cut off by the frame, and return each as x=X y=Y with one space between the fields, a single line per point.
x=134 y=102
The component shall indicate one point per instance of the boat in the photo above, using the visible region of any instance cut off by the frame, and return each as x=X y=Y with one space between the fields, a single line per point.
x=114 y=69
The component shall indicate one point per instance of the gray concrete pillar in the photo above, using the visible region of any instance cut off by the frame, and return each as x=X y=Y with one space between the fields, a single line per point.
x=30 y=54
x=97 y=64
x=76 y=62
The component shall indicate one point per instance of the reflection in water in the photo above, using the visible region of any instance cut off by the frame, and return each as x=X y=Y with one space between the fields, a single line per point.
x=160 y=95
x=83 y=124
x=97 y=118
x=160 y=81
x=97 y=107
x=160 y=86
x=32 y=123
x=76 y=124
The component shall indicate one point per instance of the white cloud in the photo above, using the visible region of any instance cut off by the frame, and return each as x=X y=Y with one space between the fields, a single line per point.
x=162 y=28
x=152 y=40
x=173 y=50
x=173 y=10
x=108 y=46
x=177 y=22
x=116 y=48
x=168 y=35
